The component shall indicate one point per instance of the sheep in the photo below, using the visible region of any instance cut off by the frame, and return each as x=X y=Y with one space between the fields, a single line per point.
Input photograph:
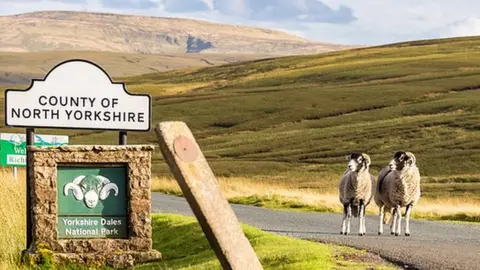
x=90 y=188
x=398 y=186
x=356 y=191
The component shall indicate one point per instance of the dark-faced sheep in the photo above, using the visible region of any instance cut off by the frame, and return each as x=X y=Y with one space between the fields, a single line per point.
x=356 y=191
x=398 y=186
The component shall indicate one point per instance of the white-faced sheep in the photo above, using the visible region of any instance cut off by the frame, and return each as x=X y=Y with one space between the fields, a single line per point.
x=90 y=189
x=356 y=190
x=398 y=186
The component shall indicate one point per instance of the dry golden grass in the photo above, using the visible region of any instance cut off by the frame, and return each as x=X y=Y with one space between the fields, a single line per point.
x=312 y=199
x=441 y=208
x=167 y=89
x=12 y=218
x=245 y=187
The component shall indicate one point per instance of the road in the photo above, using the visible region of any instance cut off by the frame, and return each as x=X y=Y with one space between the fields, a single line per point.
x=433 y=245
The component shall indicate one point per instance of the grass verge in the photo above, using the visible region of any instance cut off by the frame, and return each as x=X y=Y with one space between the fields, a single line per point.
x=283 y=195
x=184 y=246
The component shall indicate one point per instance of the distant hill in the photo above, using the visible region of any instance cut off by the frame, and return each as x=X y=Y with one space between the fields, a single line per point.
x=84 y=31
x=20 y=68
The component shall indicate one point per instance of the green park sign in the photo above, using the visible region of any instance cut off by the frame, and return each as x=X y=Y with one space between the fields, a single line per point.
x=13 y=147
x=92 y=202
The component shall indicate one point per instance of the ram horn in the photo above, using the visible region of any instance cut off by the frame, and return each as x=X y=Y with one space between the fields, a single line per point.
x=75 y=187
x=412 y=157
x=103 y=179
x=106 y=190
x=367 y=158
x=78 y=179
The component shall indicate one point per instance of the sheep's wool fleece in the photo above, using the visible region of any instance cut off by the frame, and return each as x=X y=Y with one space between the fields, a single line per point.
x=356 y=186
x=404 y=186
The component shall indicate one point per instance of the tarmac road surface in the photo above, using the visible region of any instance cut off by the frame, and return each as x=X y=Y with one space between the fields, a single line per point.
x=432 y=245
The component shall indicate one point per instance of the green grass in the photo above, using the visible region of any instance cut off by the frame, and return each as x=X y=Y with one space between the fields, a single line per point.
x=184 y=246
x=298 y=116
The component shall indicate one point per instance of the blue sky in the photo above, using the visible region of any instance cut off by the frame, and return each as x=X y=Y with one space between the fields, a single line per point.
x=358 y=22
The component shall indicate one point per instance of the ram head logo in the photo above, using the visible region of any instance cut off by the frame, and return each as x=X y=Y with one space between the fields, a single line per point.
x=90 y=188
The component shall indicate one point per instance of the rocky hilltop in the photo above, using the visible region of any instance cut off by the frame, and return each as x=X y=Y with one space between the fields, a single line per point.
x=85 y=31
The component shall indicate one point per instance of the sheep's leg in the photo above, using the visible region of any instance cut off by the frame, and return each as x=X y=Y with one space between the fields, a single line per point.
x=364 y=230
x=393 y=222
x=360 y=224
x=407 y=219
x=399 y=221
x=381 y=209
x=360 y=218
x=363 y=220
x=349 y=217
x=344 y=221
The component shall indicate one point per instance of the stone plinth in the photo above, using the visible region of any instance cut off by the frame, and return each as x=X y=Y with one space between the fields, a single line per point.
x=135 y=247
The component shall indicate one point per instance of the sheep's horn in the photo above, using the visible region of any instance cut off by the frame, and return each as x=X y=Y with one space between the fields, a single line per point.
x=106 y=191
x=412 y=157
x=77 y=191
x=78 y=179
x=367 y=157
x=103 y=179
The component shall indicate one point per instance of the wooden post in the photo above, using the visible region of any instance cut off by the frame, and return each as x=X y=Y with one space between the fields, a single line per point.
x=202 y=192
x=30 y=141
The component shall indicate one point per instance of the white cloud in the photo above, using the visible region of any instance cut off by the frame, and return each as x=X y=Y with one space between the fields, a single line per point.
x=233 y=7
x=209 y=3
x=8 y=7
x=467 y=27
x=386 y=21
x=366 y=22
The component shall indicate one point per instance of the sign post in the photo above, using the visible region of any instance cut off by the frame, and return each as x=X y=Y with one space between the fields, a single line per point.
x=89 y=212
x=30 y=140
x=122 y=139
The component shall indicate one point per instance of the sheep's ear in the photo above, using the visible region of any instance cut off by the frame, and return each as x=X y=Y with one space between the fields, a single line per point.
x=367 y=159
x=348 y=157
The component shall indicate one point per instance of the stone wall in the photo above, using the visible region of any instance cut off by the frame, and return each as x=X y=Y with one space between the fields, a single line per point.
x=136 y=248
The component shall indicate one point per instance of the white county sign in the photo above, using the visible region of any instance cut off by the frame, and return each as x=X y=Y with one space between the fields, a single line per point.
x=77 y=94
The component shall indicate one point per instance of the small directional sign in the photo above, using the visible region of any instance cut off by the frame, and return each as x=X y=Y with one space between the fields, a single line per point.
x=13 y=150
